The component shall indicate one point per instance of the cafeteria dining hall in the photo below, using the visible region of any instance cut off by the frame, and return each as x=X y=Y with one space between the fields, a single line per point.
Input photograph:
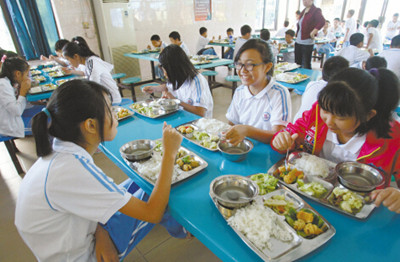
x=199 y=130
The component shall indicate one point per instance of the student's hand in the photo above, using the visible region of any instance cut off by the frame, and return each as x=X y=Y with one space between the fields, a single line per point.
x=67 y=70
x=236 y=134
x=370 y=51
x=148 y=89
x=313 y=33
x=149 y=47
x=167 y=94
x=171 y=139
x=51 y=57
x=389 y=197
x=284 y=141
x=25 y=86
x=43 y=58
x=105 y=249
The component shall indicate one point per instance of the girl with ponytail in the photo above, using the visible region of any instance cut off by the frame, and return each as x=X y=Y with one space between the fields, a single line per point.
x=77 y=52
x=352 y=121
x=14 y=75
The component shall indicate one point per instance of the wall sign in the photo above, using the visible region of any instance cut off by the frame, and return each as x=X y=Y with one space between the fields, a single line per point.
x=202 y=10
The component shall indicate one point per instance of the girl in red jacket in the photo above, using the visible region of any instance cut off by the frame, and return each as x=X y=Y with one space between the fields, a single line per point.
x=352 y=121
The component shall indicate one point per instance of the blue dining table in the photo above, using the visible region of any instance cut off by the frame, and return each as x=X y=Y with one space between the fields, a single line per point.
x=300 y=87
x=222 y=44
x=374 y=239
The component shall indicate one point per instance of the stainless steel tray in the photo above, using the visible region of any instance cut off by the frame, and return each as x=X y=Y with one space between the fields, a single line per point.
x=116 y=109
x=282 y=251
x=182 y=175
x=329 y=183
x=155 y=112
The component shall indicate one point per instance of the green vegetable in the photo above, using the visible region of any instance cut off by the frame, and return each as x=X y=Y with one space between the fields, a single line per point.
x=266 y=183
x=314 y=189
x=186 y=159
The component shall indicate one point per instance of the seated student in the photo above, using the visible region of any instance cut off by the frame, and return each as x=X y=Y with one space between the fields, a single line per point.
x=59 y=58
x=374 y=62
x=4 y=54
x=327 y=34
x=281 y=32
x=14 y=72
x=352 y=121
x=393 y=27
x=245 y=31
x=228 y=54
x=265 y=35
x=332 y=66
x=392 y=55
x=374 y=36
x=184 y=82
x=203 y=41
x=66 y=202
x=97 y=70
x=260 y=107
x=353 y=53
x=289 y=43
x=175 y=39
x=157 y=43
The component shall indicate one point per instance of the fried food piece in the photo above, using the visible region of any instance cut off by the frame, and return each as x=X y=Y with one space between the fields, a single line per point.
x=290 y=178
x=194 y=164
x=299 y=224
x=182 y=129
x=307 y=217
x=186 y=167
x=180 y=162
x=311 y=229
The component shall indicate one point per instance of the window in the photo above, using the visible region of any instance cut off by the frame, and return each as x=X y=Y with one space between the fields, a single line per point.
x=270 y=15
x=6 y=41
x=356 y=6
x=331 y=9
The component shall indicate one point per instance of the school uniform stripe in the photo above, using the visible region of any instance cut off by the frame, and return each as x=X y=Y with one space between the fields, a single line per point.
x=141 y=225
x=45 y=183
x=117 y=188
x=198 y=88
x=285 y=111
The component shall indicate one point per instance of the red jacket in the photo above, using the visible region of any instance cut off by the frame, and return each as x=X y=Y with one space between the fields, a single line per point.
x=312 y=19
x=379 y=152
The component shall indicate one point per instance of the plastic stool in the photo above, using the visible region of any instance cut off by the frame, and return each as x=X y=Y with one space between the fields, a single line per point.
x=12 y=151
x=234 y=79
x=130 y=83
x=211 y=77
x=118 y=77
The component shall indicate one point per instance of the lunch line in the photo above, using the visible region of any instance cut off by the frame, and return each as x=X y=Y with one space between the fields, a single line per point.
x=207 y=224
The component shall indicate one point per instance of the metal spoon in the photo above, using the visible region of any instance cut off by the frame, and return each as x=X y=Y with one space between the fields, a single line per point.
x=234 y=196
x=286 y=159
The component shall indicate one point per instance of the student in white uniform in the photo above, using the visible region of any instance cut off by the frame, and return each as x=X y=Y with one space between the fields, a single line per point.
x=332 y=66
x=65 y=199
x=374 y=36
x=392 y=56
x=14 y=76
x=393 y=27
x=97 y=70
x=353 y=53
x=281 y=32
x=175 y=39
x=184 y=82
x=350 y=27
x=265 y=35
x=203 y=41
x=245 y=31
x=260 y=106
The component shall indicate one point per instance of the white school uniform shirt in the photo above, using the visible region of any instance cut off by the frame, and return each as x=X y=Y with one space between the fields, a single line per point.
x=11 y=110
x=185 y=48
x=337 y=32
x=271 y=107
x=352 y=26
x=281 y=32
x=392 y=29
x=309 y=97
x=195 y=93
x=289 y=56
x=99 y=71
x=201 y=43
x=376 y=42
x=392 y=57
x=335 y=152
x=354 y=55
x=239 y=42
x=61 y=199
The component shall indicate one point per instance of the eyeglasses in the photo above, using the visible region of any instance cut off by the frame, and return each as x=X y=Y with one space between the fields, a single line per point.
x=247 y=66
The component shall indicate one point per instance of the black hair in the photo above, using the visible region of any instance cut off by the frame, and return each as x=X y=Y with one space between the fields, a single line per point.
x=8 y=54
x=12 y=64
x=202 y=30
x=155 y=38
x=73 y=48
x=366 y=23
x=175 y=35
x=177 y=65
x=351 y=12
x=290 y=32
x=395 y=41
x=374 y=23
x=229 y=30
x=298 y=12
x=286 y=23
x=396 y=14
x=375 y=62
x=333 y=65
x=265 y=34
x=356 y=38
x=60 y=44
x=355 y=92
x=245 y=30
x=71 y=103
x=337 y=19
x=262 y=47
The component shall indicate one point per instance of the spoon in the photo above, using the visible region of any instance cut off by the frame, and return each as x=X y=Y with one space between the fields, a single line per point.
x=234 y=196
x=286 y=159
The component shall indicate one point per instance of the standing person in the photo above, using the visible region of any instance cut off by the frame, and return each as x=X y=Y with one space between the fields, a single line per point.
x=350 y=27
x=14 y=76
x=97 y=70
x=184 y=82
x=203 y=41
x=352 y=121
x=260 y=107
x=374 y=36
x=175 y=39
x=66 y=202
x=281 y=32
x=392 y=56
x=311 y=21
x=245 y=31
x=228 y=54
x=393 y=27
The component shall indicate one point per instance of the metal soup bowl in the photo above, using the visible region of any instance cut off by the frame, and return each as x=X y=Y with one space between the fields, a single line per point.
x=235 y=153
x=137 y=149
x=169 y=104
x=242 y=187
x=357 y=176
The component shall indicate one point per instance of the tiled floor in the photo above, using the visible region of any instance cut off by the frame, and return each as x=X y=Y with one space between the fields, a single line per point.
x=156 y=246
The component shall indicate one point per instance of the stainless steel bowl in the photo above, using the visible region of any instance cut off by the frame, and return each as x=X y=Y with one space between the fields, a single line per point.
x=235 y=153
x=169 y=104
x=224 y=186
x=357 y=176
x=137 y=149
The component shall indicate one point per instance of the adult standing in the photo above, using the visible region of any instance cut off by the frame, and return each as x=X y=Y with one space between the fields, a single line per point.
x=311 y=21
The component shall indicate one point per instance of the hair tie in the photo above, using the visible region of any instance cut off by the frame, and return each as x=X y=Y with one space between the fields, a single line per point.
x=374 y=72
x=47 y=112
x=3 y=58
x=76 y=42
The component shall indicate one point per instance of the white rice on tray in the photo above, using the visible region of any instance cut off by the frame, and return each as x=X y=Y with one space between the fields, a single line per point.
x=312 y=166
x=212 y=126
x=259 y=224
x=151 y=168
